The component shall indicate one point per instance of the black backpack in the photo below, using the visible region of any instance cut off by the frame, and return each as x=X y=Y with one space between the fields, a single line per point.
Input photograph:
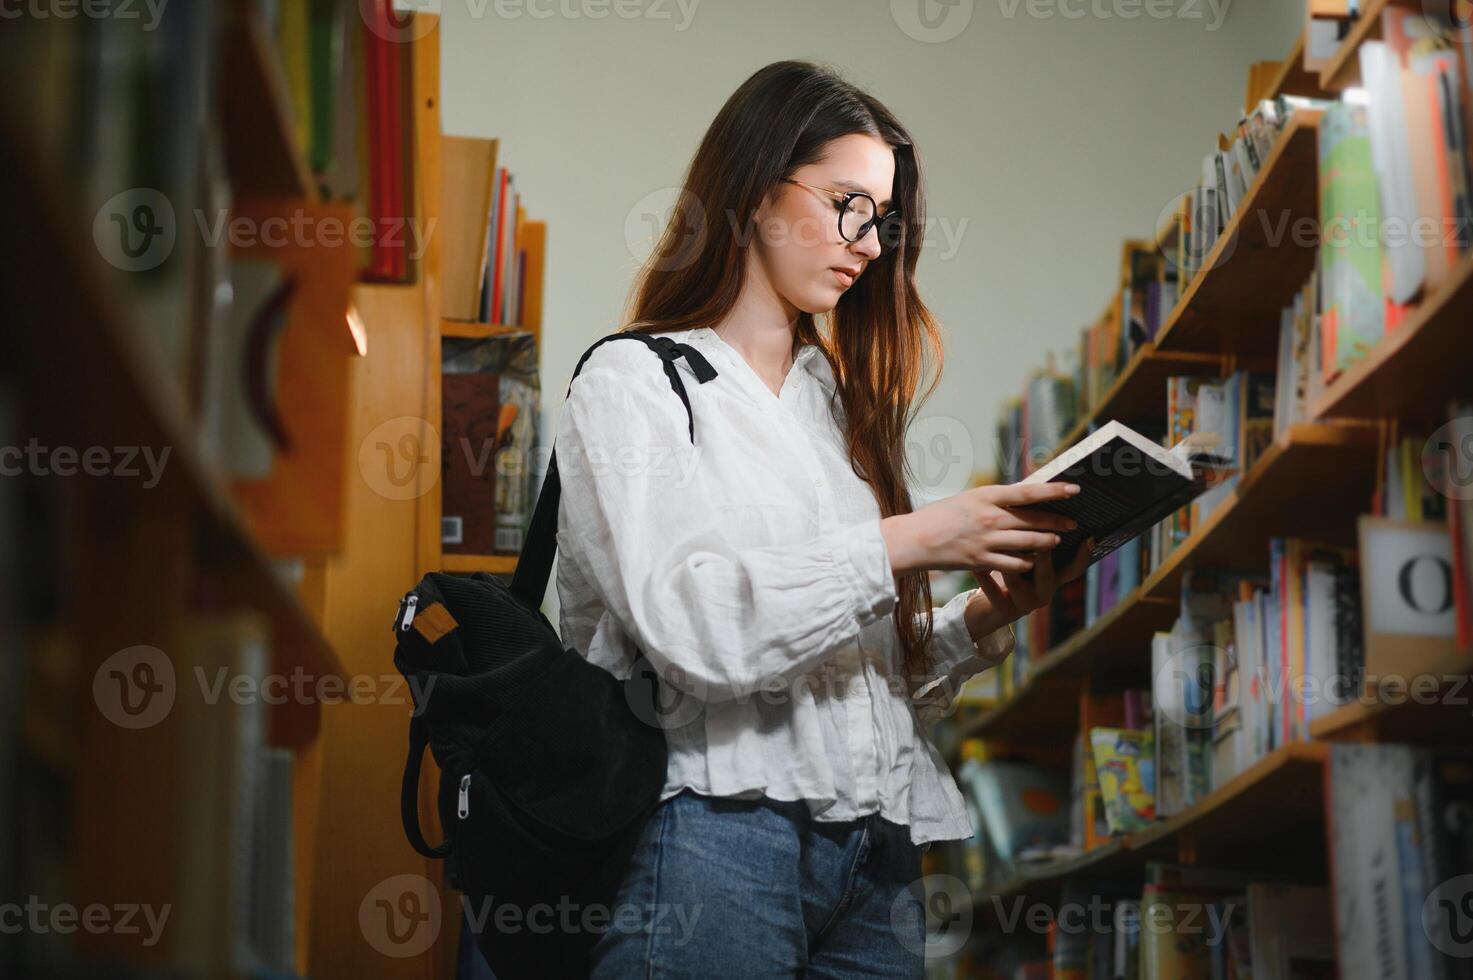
x=550 y=766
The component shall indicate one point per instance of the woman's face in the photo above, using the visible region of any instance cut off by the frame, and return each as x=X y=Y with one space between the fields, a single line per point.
x=799 y=242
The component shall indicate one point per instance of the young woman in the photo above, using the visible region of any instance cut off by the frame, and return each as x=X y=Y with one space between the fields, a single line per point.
x=774 y=571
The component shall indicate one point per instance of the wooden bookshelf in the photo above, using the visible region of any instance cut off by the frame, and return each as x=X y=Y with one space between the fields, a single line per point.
x=1225 y=829
x=1273 y=815
x=1273 y=498
x=124 y=374
x=1258 y=263
x=1417 y=367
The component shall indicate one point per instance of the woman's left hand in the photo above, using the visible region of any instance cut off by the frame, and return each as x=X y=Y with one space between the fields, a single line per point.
x=1005 y=598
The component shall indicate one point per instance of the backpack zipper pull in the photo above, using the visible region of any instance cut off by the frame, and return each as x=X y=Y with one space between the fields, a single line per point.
x=463 y=805
x=410 y=603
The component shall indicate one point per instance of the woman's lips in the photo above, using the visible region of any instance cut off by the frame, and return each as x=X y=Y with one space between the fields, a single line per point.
x=845 y=279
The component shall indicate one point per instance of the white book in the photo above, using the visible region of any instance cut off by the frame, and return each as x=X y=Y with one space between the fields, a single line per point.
x=1391 y=159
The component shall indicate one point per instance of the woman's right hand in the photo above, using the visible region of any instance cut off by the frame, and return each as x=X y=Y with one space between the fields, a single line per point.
x=990 y=528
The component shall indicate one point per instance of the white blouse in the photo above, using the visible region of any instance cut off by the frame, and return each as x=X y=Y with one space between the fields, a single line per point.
x=750 y=569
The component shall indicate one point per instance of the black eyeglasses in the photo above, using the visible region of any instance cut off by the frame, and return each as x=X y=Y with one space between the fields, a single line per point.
x=858 y=213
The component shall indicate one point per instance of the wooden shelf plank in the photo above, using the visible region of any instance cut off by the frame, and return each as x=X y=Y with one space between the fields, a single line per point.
x=1416 y=717
x=1260 y=260
x=493 y=564
x=261 y=148
x=478 y=331
x=1228 y=828
x=1417 y=368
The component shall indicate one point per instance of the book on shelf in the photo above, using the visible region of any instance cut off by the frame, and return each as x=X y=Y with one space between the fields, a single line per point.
x=491 y=394
x=236 y=905
x=1127 y=484
x=1401 y=843
x=468 y=172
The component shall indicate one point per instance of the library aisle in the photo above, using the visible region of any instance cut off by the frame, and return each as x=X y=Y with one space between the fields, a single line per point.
x=274 y=353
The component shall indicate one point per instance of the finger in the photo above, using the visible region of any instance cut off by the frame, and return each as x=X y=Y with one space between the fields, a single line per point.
x=1023 y=494
x=1014 y=564
x=1038 y=520
x=991 y=588
x=1021 y=541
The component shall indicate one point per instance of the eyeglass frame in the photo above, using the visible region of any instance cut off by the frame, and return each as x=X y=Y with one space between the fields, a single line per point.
x=873 y=222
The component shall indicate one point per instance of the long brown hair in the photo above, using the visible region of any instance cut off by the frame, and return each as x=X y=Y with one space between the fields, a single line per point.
x=881 y=335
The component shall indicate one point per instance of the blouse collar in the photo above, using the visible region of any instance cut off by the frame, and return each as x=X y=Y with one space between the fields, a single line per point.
x=808 y=358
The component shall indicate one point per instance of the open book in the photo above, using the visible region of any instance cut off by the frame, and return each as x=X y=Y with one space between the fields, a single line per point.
x=1127 y=484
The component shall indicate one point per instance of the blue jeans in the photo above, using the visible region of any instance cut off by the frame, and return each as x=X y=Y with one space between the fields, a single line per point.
x=757 y=888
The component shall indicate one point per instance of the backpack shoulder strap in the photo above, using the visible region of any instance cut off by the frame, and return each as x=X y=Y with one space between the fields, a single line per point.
x=534 y=566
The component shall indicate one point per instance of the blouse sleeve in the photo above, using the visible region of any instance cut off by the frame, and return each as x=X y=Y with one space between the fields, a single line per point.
x=957 y=659
x=716 y=620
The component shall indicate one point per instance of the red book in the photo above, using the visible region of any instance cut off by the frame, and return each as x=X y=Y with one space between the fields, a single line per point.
x=498 y=237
